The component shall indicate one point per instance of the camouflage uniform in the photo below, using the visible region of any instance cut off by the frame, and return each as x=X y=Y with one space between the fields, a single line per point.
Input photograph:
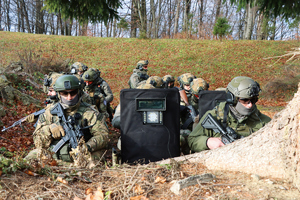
x=242 y=114
x=186 y=79
x=139 y=74
x=96 y=136
x=197 y=85
x=244 y=127
x=99 y=92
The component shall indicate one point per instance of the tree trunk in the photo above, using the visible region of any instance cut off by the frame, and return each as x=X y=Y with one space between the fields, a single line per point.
x=260 y=28
x=273 y=151
x=133 y=15
x=201 y=14
x=219 y=2
x=39 y=17
x=7 y=14
x=251 y=14
x=177 y=17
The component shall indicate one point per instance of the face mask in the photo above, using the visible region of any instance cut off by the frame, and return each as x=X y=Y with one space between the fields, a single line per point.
x=243 y=110
x=72 y=102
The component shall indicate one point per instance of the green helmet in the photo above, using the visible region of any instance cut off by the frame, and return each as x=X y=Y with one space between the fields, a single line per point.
x=156 y=81
x=78 y=67
x=243 y=87
x=67 y=82
x=91 y=75
x=197 y=85
x=186 y=79
x=141 y=64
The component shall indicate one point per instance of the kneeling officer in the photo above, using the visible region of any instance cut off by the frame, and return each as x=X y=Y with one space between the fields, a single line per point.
x=87 y=122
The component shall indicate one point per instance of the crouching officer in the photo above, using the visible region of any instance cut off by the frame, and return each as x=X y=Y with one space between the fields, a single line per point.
x=98 y=90
x=139 y=74
x=50 y=129
x=239 y=113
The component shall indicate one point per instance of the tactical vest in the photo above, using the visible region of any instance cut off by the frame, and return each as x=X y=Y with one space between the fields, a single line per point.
x=63 y=153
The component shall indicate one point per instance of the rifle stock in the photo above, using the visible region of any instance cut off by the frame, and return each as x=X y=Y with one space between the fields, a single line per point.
x=228 y=135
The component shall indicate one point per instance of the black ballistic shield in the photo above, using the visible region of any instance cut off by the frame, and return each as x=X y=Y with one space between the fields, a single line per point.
x=209 y=99
x=150 y=126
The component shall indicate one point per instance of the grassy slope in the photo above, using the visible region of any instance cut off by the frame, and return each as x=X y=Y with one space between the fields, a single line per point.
x=215 y=61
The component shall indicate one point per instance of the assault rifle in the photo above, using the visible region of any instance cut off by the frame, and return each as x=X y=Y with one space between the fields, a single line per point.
x=19 y=122
x=228 y=134
x=72 y=134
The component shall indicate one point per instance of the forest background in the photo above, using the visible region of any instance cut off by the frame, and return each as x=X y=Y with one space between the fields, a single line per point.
x=153 y=18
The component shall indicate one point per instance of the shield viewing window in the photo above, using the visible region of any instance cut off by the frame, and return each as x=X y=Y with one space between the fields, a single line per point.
x=152 y=110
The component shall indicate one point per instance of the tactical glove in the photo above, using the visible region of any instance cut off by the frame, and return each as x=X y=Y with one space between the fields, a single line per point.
x=30 y=118
x=57 y=131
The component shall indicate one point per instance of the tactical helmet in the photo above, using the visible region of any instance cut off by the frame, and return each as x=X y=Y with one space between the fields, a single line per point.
x=141 y=64
x=91 y=75
x=50 y=80
x=168 y=78
x=243 y=87
x=197 y=85
x=186 y=79
x=156 y=81
x=67 y=82
x=78 y=67
x=145 y=86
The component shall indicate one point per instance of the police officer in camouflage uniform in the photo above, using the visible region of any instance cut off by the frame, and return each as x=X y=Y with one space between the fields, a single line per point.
x=242 y=115
x=185 y=81
x=169 y=81
x=139 y=74
x=98 y=90
x=78 y=68
x=196 y=86
x=49 y=131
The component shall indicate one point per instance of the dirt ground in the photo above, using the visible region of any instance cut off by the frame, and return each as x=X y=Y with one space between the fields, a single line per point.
x=137 y=182
x=142 y=182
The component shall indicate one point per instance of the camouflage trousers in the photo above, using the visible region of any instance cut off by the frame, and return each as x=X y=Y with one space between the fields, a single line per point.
x=96 y=155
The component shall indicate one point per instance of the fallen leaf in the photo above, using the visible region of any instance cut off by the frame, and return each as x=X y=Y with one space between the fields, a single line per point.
x=31 y=173
x=77 y=198
x=137 y=189
x=159 y=179
x=53 y=163
x=0 y=173
x=139 y=198
x=60 y=179
x=88 y=191
x=143 y=178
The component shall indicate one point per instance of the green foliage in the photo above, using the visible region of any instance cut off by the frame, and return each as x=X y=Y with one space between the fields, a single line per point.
x=143 y=35
x=221 y=27
x=12 y=165
x=123 y=24
x=84 y=11
x=288 y=8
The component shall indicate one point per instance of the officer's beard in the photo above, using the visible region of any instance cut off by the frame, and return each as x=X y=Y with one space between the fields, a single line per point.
x=72 y=102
